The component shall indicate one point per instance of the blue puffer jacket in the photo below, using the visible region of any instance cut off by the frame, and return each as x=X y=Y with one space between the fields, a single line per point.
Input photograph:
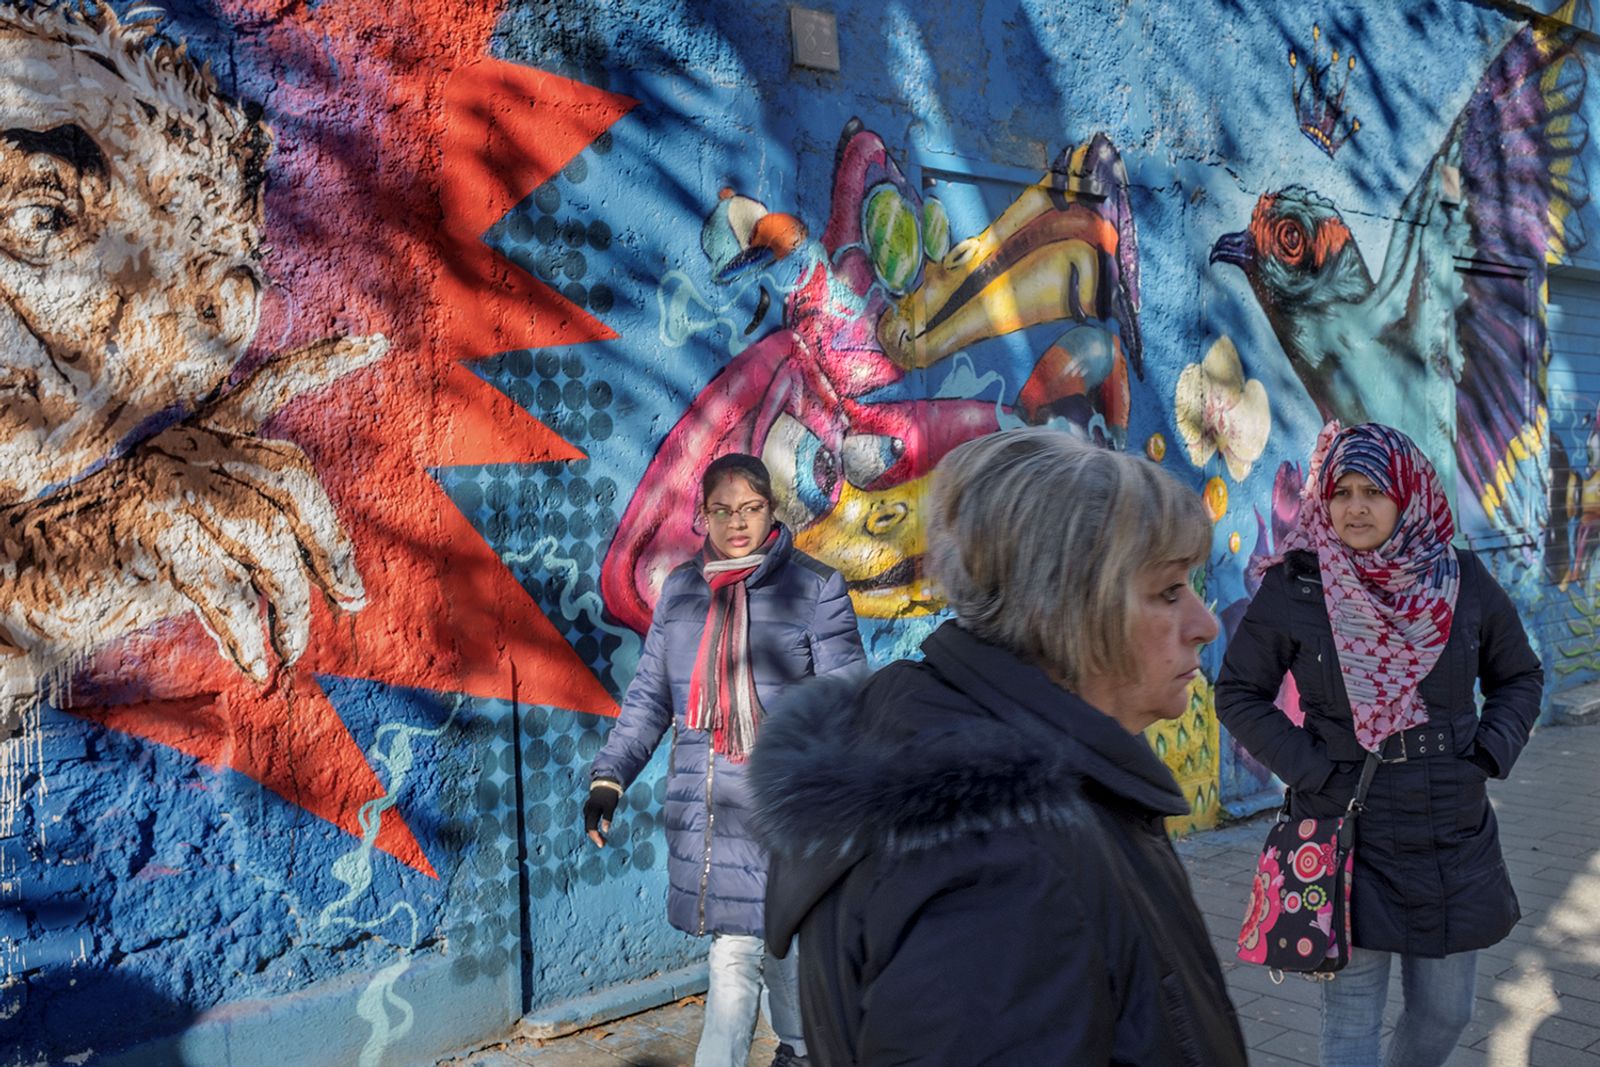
x=801 y=624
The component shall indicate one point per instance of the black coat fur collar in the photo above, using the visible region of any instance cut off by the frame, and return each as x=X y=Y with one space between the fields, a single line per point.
x=972 y=739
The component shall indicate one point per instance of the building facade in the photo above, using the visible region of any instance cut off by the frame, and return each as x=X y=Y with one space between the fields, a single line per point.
x=361 y=360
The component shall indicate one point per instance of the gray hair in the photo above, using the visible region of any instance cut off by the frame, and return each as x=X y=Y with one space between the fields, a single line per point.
x=1036 y=539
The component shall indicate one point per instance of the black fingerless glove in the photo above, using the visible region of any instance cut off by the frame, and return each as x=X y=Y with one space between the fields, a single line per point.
x=604 y=796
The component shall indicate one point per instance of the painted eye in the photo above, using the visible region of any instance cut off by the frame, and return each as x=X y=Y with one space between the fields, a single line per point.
x=29 y=228
x=234 y=311
x=1289 y=238
x=868 y=455
x=890 y=226
x=935 y=230
x=962 y=252
x=39 y=219
x=805 y=473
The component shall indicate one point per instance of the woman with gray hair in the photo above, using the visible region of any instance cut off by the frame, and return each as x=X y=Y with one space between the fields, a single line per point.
x=971 y=846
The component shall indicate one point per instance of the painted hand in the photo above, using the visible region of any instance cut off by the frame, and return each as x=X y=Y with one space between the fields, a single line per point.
x=235 y=521
x=205 y=516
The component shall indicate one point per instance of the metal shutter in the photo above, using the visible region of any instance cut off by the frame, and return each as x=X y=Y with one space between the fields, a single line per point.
x=1571 y=641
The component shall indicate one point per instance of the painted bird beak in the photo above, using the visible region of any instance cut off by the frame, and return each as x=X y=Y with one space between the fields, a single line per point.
x=1236 y=248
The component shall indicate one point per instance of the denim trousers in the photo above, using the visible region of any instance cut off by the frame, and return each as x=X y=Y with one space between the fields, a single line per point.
x=743 y=975
x=1436 y=1008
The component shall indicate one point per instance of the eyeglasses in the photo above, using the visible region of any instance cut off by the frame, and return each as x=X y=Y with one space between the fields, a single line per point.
x=749 y=512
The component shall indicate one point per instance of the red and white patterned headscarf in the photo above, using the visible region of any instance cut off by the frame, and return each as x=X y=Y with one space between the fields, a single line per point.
x=1391 y=608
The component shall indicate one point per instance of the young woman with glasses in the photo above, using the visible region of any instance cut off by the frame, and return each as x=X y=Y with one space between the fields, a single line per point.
x=732 y=627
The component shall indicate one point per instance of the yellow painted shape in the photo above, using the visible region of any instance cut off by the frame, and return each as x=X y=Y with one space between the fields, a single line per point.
x=868 y=534
x=1216 y=499
x=1031 y=290
x=1190 y=747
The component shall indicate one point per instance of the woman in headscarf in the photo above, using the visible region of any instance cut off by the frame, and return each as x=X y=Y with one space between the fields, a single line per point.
x=732 y=628
x=1386 y=627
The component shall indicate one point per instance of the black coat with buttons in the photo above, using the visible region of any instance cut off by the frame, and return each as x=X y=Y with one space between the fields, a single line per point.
x=1429 y=877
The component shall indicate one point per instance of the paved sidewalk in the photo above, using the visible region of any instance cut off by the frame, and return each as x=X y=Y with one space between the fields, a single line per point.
x=1538 y=991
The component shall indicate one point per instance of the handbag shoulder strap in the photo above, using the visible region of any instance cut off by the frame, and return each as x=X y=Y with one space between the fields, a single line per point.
x=1368 y=769
x=1358 y=803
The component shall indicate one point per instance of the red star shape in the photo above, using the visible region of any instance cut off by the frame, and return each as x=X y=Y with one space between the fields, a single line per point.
x=399 y=144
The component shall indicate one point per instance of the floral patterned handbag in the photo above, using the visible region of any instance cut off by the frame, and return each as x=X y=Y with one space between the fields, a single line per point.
x=1299 y=915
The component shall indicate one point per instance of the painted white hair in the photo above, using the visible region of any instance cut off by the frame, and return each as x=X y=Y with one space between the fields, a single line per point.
x=205 y=152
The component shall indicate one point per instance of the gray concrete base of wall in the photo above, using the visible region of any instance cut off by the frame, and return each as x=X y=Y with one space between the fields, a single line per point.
x=1577 y=706
x=336 y=1023
x=580 y=1013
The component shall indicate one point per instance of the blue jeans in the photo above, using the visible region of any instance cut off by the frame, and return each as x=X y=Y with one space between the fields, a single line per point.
x=1437 y=1008
x=739 y=966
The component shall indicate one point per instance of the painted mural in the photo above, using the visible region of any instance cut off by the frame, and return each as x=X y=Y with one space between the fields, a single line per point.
x=1448 y=341
x=360 y=362
x=886 y=289
x=265 y=687
x=138 y=483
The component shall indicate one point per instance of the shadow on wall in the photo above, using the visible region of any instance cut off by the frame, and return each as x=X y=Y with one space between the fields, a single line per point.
x=105 y=1009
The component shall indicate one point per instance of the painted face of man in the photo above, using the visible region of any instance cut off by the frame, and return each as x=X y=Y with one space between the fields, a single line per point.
x=128 y=287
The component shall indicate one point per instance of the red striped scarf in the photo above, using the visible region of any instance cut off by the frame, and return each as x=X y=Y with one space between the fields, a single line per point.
x=1391 y=609
x=722 y=689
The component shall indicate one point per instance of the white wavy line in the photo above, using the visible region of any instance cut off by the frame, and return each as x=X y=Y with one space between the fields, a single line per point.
x=547 y=551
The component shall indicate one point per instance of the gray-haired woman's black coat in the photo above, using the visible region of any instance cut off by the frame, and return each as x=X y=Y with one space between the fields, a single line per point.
x=977 y=866
x=1429 y=878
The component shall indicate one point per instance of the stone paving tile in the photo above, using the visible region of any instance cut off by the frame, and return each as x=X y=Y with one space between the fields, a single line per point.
x=1291 y=1045
x=1258 y=1033
x=1538 y=991
x=1287 y=1014
x=578 y=1053
x=1564 y=1031
x=680 y=1020
x=489 y=1058
x=1267 y=1059
x=622 y=1035
x=1549 y=1054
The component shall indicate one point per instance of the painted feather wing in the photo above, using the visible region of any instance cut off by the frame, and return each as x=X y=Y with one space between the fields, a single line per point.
x=1519 y=142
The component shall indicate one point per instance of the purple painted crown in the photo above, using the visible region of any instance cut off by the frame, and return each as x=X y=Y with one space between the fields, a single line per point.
x=1319 y=89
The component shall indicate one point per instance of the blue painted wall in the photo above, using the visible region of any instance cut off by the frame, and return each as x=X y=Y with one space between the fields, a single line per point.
x=158 y=906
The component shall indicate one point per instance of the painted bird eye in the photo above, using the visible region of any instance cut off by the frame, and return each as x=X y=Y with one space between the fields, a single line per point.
x=1289 y=241
x=805 y=472
x=868 y=455
x=891 y=229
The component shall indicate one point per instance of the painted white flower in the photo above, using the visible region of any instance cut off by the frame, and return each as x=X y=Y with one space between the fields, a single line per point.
x=1218 y=410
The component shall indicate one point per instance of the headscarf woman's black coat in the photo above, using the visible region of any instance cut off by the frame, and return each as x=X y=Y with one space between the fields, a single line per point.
x=1429 y=877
